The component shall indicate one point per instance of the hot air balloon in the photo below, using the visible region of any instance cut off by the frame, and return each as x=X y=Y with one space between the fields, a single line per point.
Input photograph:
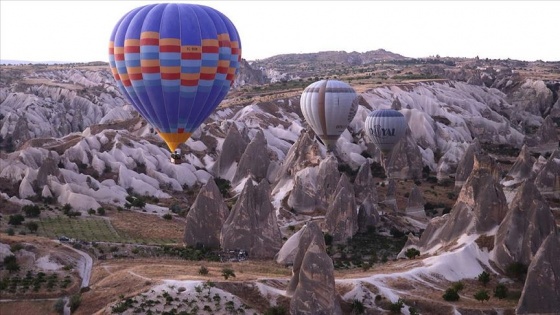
x=174 y=63
x=385 y=127
x=329 y=106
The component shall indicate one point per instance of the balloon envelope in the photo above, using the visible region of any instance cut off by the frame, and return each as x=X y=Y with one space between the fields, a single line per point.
x=175 y=63
x=385 y=127
x=329 y=106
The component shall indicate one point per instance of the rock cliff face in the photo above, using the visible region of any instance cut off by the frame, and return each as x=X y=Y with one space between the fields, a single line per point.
x=368 y=215
x=522 y=168
x=303 y=198
x=480 y=207
x=252 y=224
x=528 y=222
x=312 y=287
x=206 y=217
x=405 y=160
x=415 y=205
x=465 y=165
x=328 y=177
x=541 y=293
x=232 y=149
x=364 y=185
x=254 y=160
x=341 y=219
x=545 y=137
x=548 y=177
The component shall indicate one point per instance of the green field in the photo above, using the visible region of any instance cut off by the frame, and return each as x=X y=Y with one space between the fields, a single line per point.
x=89 y=229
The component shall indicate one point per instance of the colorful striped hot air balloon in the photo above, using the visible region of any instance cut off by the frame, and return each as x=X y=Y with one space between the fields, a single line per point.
x=385 y=128
x=329 y=106
x=175 y=63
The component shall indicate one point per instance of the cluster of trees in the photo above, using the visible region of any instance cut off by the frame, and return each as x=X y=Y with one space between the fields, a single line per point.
x=500 y=291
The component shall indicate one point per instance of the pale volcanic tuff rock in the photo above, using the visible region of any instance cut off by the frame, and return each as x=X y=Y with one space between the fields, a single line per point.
x=232 y=149
x=48 y=168
x=303 y=198
x=312 y=286
x=466 y=164
x=206 y=217
x=364 y=185
x=523 y=165
x=252 y=224
x=405 y=160
x=368 y=214
x=341 y=219
x=415 y=204
x=548 y=177
x=328 y=177
x=546 y=135
x=532 y=96
x=528 y=222
x=305 y=152
x=480 y=207
x=541 y=293
x=254 y=161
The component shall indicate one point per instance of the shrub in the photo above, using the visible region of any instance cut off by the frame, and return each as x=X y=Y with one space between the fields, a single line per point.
x=91 y=211
x=396 y=307
x=482 y=296
x=101 y=211
x=59 y=306
x=10 y=232
x=228 y=272
x=451 y=295
x=457 y=286
x=203 y=271
x=411 y=253
x=517 y=270
x=224 y=186
x=167 y=216
x=328 y=239
x=31 y=211
x=501 y=291
x=10 y=263
x=15 y=219
x=358 y=307
x=413 y=311
x=276 y=310
x=484 y=277
x=32 y=226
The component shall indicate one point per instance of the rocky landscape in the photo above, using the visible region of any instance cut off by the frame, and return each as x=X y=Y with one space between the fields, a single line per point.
x=461 y=218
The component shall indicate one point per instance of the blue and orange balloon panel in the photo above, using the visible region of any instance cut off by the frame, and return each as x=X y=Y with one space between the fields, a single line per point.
x=174 y=63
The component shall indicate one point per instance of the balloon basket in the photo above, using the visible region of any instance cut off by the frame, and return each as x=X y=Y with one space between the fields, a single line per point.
x=175 y=158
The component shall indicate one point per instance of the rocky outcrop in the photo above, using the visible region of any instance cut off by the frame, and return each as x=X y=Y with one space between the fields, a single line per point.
x=546 y=135
x=252 y=224
x=303 y=199
x=548 y=177
x=254 y=160
x=480 y=206
x=364 y=185
x=528 y=222
x=522 y=168
x=327 y=180
x=415 y=204
x=48 y=168
x=341 y=219
x=465 y=165
x=249 y=76
x=390 y=195
x=368 y=215
x=304 y=153
x=232 y=149
x=312 y=286
x=541 y=293
x=532 y=96
x=206 y=217
x=405 y=160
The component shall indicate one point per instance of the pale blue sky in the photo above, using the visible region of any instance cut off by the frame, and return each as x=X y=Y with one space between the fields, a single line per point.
x=79 y=30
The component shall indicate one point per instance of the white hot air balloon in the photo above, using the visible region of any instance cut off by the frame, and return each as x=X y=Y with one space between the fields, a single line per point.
x=385 y=128
x=328 y=107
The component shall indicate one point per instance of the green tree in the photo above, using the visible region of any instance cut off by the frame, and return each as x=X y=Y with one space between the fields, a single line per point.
x=396 y=307
x=501 y=291
x=484 y=278
x=358 y=307
x=15 y=219
x=482 y=296
x=228 y=272
x=31 y=211
x=411 y=253
x=59 y=306
x=32 y=226
x=101 y=211
x=10 y=263
x=451 y=295
x=74 y=302
x=203 y=270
